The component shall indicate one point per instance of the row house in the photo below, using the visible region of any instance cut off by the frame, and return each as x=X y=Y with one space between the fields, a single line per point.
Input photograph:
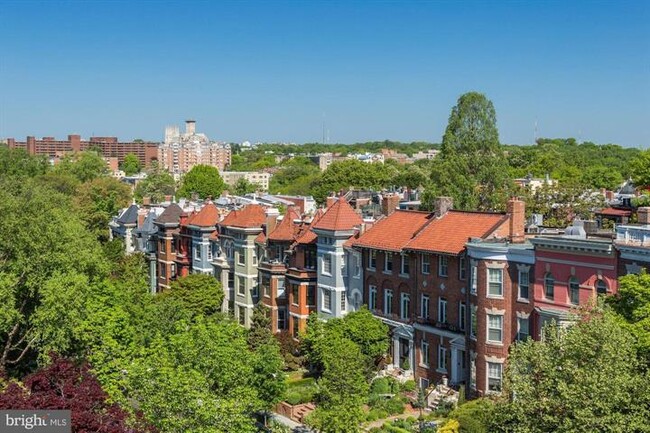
x=168 y=224
x=308 y=267
x=419 y=278
x=632 y=242
x=235 y=258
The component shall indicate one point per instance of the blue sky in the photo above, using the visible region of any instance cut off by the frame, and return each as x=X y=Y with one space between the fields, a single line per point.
x=374 y=70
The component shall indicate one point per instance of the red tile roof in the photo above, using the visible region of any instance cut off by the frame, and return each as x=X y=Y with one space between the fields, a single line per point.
x=252 y=215
x=206 y=217
x=306 y=236
x=287 y=229
x=610 y=211
x=449 y=233
x=340 y=216
x=395 y=231
x=261 y=238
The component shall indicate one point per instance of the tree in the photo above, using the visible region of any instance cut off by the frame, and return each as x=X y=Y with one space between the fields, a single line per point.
x=472 y=169
x=203 y=180
x=156 y=185
x=295 y=176
x=364 y=329
x=131 y=164
x=342 y=389
x=641 y=169
x=352 y=173
x=260 y=330
x=85 y=166
x=98 y=200
x=63 y=385
x=200 y=294
x=269 y=377
x=632 y=304
x=549 y=386
x=17 y=162
x=243 y=187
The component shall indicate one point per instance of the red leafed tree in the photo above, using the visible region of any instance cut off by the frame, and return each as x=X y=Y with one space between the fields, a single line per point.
x=65 y=384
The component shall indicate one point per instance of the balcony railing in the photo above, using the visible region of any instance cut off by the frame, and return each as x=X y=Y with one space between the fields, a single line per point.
x=440 y=325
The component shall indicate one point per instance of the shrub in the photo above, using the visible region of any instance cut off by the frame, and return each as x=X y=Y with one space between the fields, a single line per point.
x=394 y=406
x=408 y=386
x=380 y=386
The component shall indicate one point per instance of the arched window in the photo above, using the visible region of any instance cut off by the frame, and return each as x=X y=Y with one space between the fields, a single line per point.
x=601 y=287
x=549 y=286
x=574 y=291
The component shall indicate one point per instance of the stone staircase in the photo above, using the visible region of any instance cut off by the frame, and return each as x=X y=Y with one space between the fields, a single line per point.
x=302 y=410
x=439 y=394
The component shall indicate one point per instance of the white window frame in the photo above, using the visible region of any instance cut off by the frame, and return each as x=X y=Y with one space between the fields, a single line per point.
x=462 y=267
x=343 y=304
x=372 y=260
x=442 y=310
x=520 y=278
x=326 y=258
x=388 y=306
x=425 y=307
x=241 y=256
x=388 y=263
x=443 y=265
x=426 y=264
x=490 y=328
x=519 y=333
x=572 y=301
x=405 y=312
x=405 y=263
x=473 y=289
x=442 y=359
x=498 y=283
x=327 y=306
x=491 y=376
x=424 y=354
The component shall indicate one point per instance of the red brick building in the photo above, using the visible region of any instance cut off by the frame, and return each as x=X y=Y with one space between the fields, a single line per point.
x=109 y=147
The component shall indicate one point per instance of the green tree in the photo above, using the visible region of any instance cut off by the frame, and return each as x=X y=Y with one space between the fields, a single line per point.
x=243 y=187
x=260 y=330
x=131 y=164
x=473 y=169
x=550 y=385
x=85 y=166
x=98 y=200
x=203 y=180
x=632 y=304
x=17 y=162
x=200 y=294
x=364 y=329
x=156 y=185
x=641 y=169
x=352 y=173
x=295 y=176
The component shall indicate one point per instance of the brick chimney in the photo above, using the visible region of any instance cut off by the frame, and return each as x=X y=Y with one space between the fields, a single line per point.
x=441 y=205
x=516 y=210
x=389 y=202
x=643 y=215
x=146 y=201
x=272 y=215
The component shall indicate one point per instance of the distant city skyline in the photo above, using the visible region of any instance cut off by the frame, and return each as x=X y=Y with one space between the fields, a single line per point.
x=276 y=71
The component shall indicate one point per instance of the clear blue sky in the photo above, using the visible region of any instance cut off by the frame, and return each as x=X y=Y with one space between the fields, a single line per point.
x=375 y=70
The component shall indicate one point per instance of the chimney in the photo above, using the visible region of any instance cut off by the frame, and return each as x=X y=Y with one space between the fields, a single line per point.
x=643 y=215
x=441 y=205
x=331 y=200
x=389 y=202
x=272 y=215
x=146 y=201
x=75 y=142
x=190 y=127
x=168 y=198
x=516 y=209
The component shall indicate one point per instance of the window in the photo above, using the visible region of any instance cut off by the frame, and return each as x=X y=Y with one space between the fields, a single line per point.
x=173 y=246
x=462 y=267
x=357 y=267
x=461 y=316
x=372 y=298
x=495 y=282
x=231 y=280
x=230 y=251
x=327 y=300
x=343 y=301
x=327 y=264
x=524 y=284
x=404 y=268
x=163 y=271
x=173 y=269
x=278 y=252
x=474 y=279
x=523 y=328
x=574 y=291
x=473 y=321
x=442 y=358
x=601 y=287
x=310 y=259
x=255 y=292
x=209 y=252
x=426 y=264
x=266 y=286
x=241 y=257
x=549 y=286
x=242 y=315
x=372 y=260
x=197 y=252
x=241 y=285
x=282 y=319
x=296 y=327
x=494 y=376
x=424 y=353
x=424 y=307
x=163 y=246
x=405 y=311
x=388 y=302
x=495 y=328
x=388 y=262
x=442 y=310
x=295 y=294
x=442 y=266
x=254 y=257
x=311 y=295
x=280 y=287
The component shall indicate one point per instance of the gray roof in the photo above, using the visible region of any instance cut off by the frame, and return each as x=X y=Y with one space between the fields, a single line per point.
x=129 y=216
x=171 y=215
x=148 y=225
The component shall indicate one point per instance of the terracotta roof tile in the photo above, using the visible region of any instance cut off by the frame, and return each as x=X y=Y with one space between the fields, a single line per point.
x=306 y=236
x=252 y=215
x=206 y=217
x=449 y=233
x=287 y=229
x=340 y=216
x=395 y=231
x=261 y=238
